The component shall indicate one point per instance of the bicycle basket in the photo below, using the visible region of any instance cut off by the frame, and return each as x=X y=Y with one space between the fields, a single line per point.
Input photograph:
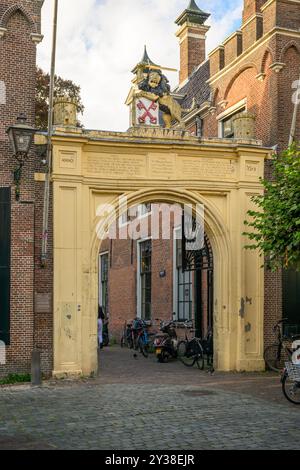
x=293 y=371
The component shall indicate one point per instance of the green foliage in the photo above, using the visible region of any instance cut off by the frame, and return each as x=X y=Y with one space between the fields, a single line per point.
x=15 y=378
x=61 y=88
x=275 y=225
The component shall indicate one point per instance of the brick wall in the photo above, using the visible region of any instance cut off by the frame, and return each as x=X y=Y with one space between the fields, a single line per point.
x=269 y=98
x=17 y=71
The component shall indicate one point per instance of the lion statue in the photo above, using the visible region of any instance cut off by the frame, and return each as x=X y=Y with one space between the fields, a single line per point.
x=155 y=87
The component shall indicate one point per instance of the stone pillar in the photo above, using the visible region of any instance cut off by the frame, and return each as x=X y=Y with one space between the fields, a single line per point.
x=244 y=126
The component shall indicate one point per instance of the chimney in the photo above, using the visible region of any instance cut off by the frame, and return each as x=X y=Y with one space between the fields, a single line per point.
x=251 y=8
x=192 y=36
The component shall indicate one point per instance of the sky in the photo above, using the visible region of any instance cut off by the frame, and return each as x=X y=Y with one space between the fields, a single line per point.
x=100 y=41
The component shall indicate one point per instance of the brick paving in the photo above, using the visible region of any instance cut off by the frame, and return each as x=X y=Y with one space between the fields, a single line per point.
x=140 y=404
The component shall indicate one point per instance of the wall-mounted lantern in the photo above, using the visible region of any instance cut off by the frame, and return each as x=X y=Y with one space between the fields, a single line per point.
x=21 y=138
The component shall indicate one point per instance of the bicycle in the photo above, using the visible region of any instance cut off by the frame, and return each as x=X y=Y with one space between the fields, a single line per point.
x=277 y=354
x=291 y=382
x=190 y=351
x=140 y=336
x=127 y=336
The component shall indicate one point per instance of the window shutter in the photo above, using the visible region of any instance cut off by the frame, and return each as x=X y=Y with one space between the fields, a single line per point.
x=4 y=264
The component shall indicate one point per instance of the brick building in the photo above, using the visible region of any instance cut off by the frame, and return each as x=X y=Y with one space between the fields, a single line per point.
x=20 y=23
x=254 y=71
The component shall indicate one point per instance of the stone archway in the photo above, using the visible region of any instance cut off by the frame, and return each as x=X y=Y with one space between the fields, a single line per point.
x=214 y=227
x=97 y=169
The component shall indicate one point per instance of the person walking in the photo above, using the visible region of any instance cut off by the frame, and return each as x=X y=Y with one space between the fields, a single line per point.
x=101 y=317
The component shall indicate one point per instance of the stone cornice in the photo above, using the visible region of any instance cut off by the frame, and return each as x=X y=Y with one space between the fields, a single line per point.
x=236 y=33
x=256 y=15
x=36 y=38
x=272 y=1
x=220 y=47
x=2 y=32
x=267 y=37
x=277 y=66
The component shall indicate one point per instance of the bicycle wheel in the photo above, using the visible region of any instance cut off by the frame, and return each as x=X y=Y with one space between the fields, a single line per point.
x=291 y=390
x=200 y=357
x=274 y=357
x=185 y=353
x=143 y=347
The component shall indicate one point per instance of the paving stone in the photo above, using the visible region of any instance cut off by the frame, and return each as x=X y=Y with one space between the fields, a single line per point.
x=130 y=409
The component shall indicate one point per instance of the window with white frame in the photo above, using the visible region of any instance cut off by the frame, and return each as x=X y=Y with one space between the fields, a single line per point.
x=145 y=279
x=183 y=285
x=226 y=128
x=103 y=281
x=142 y=210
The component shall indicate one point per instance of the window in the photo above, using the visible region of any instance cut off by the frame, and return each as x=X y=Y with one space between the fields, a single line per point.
x=144 y=209
x=183 y=288
x=5 y=240
x=103 y=297
x=227 y=125
x=135 y=212
x=226 y=118
x=145 y=273
x=199 y=127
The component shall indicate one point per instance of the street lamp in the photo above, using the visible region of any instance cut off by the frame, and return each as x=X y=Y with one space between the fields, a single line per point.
x=21 y=137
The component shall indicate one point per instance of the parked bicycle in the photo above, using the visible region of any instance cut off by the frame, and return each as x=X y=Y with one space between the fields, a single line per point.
x=127 y=337
x=136 y=336
x=165 y=341
x=190 y=351
x=290 y=378
x=279 y=353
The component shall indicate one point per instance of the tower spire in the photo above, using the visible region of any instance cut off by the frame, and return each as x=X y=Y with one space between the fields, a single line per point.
x=193 y=14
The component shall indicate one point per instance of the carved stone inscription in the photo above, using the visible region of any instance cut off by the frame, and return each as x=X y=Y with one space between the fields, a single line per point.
x=43 y=303
x=201 y=168
x=162 y=166
x=117 y=166
x=252 y=168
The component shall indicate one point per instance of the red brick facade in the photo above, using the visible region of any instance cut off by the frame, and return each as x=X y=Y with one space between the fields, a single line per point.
x=261 y=71
x=20 y=23
x=257 y=64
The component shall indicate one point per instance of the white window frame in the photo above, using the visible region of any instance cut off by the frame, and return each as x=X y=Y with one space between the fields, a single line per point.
x=138 y=280
x=175 y=278
x=100 y=299
x=139 y=215
x=226 y=114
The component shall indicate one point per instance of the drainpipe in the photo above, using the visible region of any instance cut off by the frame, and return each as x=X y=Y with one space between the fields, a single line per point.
x=49 y=144
x=295 y=114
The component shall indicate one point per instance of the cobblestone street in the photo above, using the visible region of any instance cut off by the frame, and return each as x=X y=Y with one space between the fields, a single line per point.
x=140 y=404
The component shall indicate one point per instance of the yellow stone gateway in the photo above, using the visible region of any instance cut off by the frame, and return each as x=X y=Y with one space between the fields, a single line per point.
x=93 y=170
x=149 y=165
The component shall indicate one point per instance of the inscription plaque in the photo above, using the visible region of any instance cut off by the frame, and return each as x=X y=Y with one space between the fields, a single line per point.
x=117 y=166
x=162 y=166
x=43 y=303
x=201 y=168
x=67 y=159
x=252 y=168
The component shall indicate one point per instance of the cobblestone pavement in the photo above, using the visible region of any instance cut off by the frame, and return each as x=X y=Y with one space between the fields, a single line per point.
x=140 y=404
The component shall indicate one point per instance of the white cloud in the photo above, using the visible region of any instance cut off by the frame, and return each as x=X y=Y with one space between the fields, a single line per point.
x=99 y=42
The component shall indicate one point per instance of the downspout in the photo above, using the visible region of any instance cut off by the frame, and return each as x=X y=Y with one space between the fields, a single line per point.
x=295 y=114
x=49 y=145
